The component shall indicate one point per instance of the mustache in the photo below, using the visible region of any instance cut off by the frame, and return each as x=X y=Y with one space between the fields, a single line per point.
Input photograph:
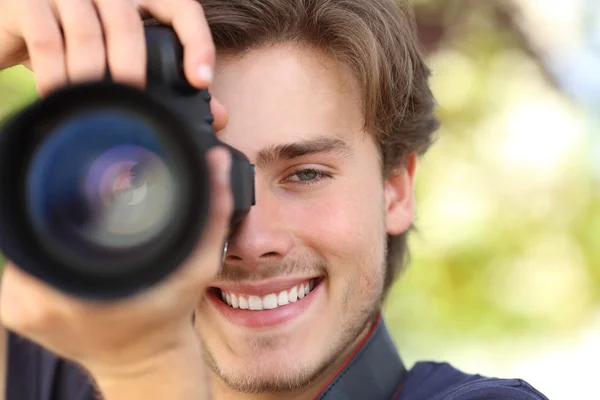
x=300 y=265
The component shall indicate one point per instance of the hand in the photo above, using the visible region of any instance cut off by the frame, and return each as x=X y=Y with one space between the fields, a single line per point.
x=128 y=337
x=100 y=33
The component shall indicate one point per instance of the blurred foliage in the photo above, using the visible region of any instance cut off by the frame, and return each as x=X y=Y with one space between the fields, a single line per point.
x=508 y=217
x=17 y=89
x=508 y=214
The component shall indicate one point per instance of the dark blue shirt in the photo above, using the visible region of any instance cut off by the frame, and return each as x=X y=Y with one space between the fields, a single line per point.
x=374 y=372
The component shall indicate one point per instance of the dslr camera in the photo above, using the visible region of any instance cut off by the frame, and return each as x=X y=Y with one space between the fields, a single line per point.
x=104 y=188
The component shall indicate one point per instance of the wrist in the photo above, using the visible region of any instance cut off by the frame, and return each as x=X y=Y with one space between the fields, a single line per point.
x=177 y=373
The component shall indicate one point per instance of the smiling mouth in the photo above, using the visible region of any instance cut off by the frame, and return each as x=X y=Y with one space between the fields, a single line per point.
x=270 y=301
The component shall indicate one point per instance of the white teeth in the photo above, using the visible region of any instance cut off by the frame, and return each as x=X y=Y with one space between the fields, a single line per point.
x=255 y=303
x=282 y=299
x=270 y=301
x=293 y=295
x=300 y=291
x=243 y=303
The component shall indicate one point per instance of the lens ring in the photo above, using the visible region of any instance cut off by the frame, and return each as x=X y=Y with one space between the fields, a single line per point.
x=82 y=192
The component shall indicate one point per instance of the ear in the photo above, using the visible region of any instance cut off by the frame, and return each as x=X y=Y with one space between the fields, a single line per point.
x=399 y=196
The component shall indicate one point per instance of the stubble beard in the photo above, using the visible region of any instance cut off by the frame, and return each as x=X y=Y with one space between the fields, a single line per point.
x=290 y=378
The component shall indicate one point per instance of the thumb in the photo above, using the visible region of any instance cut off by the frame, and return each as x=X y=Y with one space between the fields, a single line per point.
x=221 y=202
x=210 y=247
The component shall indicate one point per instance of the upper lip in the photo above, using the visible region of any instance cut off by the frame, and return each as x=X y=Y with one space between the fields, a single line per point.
x=262 y=288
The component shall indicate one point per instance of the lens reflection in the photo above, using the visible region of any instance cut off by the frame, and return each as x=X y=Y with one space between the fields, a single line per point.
x=128 y=191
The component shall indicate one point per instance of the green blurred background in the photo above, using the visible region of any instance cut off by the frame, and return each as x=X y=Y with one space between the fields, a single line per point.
x=505 y=271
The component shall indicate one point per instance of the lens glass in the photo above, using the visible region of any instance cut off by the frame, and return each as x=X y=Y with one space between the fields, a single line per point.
x=103 y=179
x=128 y=191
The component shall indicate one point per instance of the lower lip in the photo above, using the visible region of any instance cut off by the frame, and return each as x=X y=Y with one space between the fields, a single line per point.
x=264 y=318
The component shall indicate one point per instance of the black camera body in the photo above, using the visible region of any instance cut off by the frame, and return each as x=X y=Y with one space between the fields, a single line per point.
x=104 y=188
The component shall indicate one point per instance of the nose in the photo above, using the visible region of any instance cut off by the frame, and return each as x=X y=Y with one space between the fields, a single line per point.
x=262 y=236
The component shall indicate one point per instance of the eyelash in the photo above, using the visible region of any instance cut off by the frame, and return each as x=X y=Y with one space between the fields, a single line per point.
x=321 y=176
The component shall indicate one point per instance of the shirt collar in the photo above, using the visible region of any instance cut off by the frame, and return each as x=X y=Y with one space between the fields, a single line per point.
x=374 y=371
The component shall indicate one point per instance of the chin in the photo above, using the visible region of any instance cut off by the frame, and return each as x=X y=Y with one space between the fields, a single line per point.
x=275 y=362
x=269 y=348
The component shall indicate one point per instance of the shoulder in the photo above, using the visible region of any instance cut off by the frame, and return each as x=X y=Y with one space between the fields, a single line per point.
x=441 y=381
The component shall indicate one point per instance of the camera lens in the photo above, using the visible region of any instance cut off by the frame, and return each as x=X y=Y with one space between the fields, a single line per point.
x=101 y=184
x=105 y=188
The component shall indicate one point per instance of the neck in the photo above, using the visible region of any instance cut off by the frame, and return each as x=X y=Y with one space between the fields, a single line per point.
x=223 y=392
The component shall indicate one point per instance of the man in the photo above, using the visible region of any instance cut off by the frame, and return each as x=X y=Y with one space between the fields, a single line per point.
x=330 y=101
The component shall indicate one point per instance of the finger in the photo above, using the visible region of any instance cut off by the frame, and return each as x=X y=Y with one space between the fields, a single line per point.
x=219 y=113
x=221 y=202
x=125 y=41
x=188 y=20
x=45 y=45
x=85 y=54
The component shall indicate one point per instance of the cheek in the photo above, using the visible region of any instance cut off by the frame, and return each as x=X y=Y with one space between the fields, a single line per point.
x=347 y=231
x=345 y=228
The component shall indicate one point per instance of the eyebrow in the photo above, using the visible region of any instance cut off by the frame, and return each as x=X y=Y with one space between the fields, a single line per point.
x=288 y=151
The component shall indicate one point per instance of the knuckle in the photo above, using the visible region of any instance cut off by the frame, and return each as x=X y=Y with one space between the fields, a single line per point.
x=130 y=24
x=227 y=204
x=191 y=14
x=120 y=17
x=193 y=7
x=45 y=42
x=223 y=209
x=85 y=35
x=187 y=7
x=124 y=12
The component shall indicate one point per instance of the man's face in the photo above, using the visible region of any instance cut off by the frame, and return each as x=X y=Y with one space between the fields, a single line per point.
x=304 y=271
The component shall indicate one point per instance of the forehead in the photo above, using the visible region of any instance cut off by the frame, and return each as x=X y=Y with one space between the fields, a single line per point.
x=285 y=93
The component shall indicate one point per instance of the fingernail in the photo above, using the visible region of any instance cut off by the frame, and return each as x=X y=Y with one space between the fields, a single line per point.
x=205 y=73
x=225 y=171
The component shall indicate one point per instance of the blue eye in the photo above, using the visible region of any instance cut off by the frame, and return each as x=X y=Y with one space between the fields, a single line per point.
x=308 y=176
